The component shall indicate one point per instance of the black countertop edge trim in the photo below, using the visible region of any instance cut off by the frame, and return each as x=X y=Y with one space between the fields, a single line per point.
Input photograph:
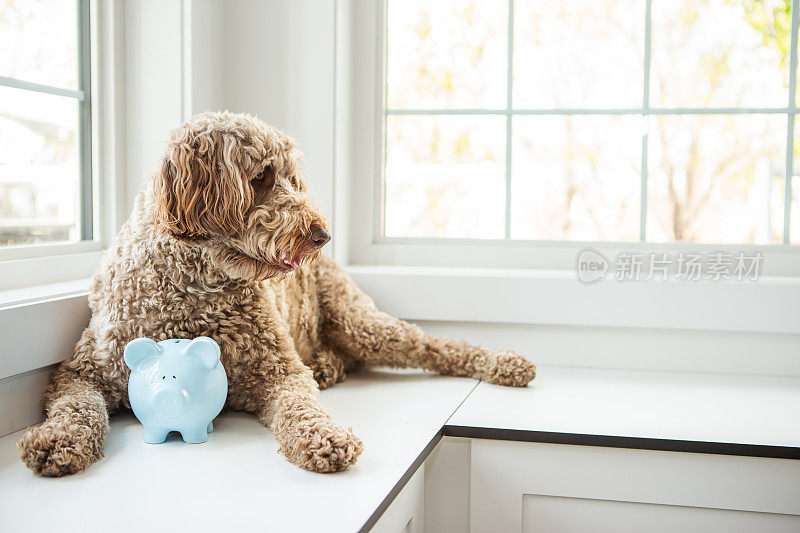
x=578 y=439
x=610 y=441
x=387 y=501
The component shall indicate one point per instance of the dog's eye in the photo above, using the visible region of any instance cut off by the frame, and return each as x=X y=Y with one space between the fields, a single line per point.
x=265 y=178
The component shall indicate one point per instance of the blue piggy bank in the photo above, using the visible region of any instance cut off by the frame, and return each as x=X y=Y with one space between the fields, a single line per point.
x=176 y=385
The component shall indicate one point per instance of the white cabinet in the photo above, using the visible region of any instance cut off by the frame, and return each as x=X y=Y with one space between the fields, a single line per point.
x=491 y=486
x=407 y=511
x=447 y=487
x=517 y=486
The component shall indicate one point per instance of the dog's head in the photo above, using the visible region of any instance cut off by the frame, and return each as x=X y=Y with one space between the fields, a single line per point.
x=233 y=184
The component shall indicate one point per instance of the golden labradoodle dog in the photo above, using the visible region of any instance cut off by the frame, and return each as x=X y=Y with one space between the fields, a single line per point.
x=208 y=250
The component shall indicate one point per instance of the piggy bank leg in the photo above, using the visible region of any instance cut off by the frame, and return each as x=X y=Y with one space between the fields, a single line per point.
x=155 y=435
x=210 y=428
x=195 y=436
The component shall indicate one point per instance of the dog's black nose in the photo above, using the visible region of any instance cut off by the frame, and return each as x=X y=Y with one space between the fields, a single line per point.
x=320 y=237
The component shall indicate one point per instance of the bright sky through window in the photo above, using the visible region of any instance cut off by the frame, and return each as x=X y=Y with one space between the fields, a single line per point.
x=591 y=120
x=42 y=111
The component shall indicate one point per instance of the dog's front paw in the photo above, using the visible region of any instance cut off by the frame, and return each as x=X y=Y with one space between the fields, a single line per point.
x=53 y=450
x=320 y=445
x=327 y=368
x=509 y=369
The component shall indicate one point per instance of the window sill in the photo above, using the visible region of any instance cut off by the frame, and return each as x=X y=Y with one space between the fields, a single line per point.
x=33 y=272
x=454 y=295
x=550 y=297
x=43 y=323
x=43 y=293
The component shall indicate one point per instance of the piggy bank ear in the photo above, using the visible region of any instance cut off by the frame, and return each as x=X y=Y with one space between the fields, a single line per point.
x=206 y=350
x=138 y=350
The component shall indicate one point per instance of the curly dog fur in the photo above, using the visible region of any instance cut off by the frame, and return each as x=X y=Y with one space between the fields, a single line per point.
x=224 y=242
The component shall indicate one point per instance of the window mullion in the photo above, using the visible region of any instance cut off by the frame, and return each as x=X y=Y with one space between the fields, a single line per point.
x=86 y=211
x=787 y=203
x=14 y=83
x=598 y=111
x=646 y=125
x=509 y=107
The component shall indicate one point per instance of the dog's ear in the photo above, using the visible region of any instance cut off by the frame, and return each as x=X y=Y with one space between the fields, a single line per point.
x=200 y=189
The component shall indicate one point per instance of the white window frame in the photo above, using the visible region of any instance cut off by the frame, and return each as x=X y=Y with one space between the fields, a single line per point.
x=360 y=142
x=511 y=282
x=102 y=192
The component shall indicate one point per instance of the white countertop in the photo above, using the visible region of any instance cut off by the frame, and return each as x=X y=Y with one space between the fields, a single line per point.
x=748 y=410
x=237 y=481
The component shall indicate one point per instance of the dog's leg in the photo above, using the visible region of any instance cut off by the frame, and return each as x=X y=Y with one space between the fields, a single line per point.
x=75 y=431
x=353 y=324
x=307 y=434
x=328 y=368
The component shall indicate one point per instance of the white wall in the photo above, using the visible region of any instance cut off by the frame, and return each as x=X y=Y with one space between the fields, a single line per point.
x=204 y=37
x=278 y=64
x=270 y=58
x=153 y=83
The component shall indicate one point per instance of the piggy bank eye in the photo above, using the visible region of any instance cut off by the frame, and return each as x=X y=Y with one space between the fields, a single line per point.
x=173 y=377
x=163 y=377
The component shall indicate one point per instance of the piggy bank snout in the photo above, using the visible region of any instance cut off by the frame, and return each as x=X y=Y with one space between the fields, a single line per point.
x=169 y=402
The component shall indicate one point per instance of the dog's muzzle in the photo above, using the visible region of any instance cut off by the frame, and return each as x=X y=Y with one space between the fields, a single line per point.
x=320 y=237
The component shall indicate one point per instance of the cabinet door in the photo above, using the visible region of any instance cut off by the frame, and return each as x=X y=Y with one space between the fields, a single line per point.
x=551 y=487
x=557 y=514
x=406 y=513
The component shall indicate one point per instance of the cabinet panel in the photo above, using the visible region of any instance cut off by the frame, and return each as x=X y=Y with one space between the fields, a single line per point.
x=501 y=473
x=406 y=513
x=555 y=514
x=447 y=487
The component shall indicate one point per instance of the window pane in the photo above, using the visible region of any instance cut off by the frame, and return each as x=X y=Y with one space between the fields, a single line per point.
x=716 y=179
x=578 y=54
x=38 y=167
x=445 y=176
x=447 y=54
x=576 y=178
x=719 y=53
x=39 y=40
